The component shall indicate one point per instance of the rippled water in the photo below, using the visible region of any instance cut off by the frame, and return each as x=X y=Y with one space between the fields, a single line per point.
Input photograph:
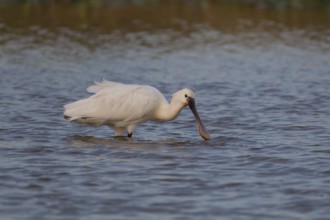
x=262 y=91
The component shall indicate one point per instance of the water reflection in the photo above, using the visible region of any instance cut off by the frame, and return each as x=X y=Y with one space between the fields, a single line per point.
x=167 y=27
x=162 y=15
x=138 y=142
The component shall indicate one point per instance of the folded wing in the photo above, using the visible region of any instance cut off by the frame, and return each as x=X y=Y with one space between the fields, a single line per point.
x=115 y=104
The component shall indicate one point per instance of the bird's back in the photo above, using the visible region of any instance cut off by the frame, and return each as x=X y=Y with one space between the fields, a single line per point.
x=115 y=104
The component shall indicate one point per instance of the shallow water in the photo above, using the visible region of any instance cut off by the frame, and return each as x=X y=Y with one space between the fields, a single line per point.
x=262 y=84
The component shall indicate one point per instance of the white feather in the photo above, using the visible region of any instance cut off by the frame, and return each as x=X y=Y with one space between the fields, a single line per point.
x=101 y=85
x=124 y=106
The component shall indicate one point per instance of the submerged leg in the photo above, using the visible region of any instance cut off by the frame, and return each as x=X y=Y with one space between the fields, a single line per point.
x=130 y=130
x=119 y=132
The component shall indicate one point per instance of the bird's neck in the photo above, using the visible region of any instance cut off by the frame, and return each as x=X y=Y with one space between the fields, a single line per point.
x=169 y=111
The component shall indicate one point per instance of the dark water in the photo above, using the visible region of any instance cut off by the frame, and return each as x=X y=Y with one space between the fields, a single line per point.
x=262 y=80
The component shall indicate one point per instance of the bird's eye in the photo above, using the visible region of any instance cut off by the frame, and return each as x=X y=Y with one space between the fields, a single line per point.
x=186 y=95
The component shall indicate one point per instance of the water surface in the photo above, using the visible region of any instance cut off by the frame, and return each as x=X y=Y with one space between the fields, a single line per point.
x=261 y=78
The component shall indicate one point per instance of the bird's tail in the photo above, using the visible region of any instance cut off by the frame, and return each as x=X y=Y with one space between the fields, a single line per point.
x=81 y=112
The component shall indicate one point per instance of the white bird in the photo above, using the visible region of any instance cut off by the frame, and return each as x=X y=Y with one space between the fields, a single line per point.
x=124 y=106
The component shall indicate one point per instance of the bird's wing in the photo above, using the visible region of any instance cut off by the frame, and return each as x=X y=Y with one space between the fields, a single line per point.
x=98 y=86
x=117 y=105
x=129 y=102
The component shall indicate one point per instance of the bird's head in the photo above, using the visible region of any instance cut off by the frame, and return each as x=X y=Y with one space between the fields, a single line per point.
x=187 y=97
x=183 y=96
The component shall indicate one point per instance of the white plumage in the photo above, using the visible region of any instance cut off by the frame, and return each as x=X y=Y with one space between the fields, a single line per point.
x=124 y=106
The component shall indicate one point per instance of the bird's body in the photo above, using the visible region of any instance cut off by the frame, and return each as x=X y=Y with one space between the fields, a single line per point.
x=124 y=106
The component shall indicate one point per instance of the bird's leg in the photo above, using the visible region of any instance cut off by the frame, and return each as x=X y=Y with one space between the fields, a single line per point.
x=119 y=132
x=130 y=130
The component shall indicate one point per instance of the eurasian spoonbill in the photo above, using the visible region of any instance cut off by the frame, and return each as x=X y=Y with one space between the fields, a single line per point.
x=124 y=106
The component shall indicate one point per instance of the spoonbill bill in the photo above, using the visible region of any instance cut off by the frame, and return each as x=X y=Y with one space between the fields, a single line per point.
x=124 y=106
